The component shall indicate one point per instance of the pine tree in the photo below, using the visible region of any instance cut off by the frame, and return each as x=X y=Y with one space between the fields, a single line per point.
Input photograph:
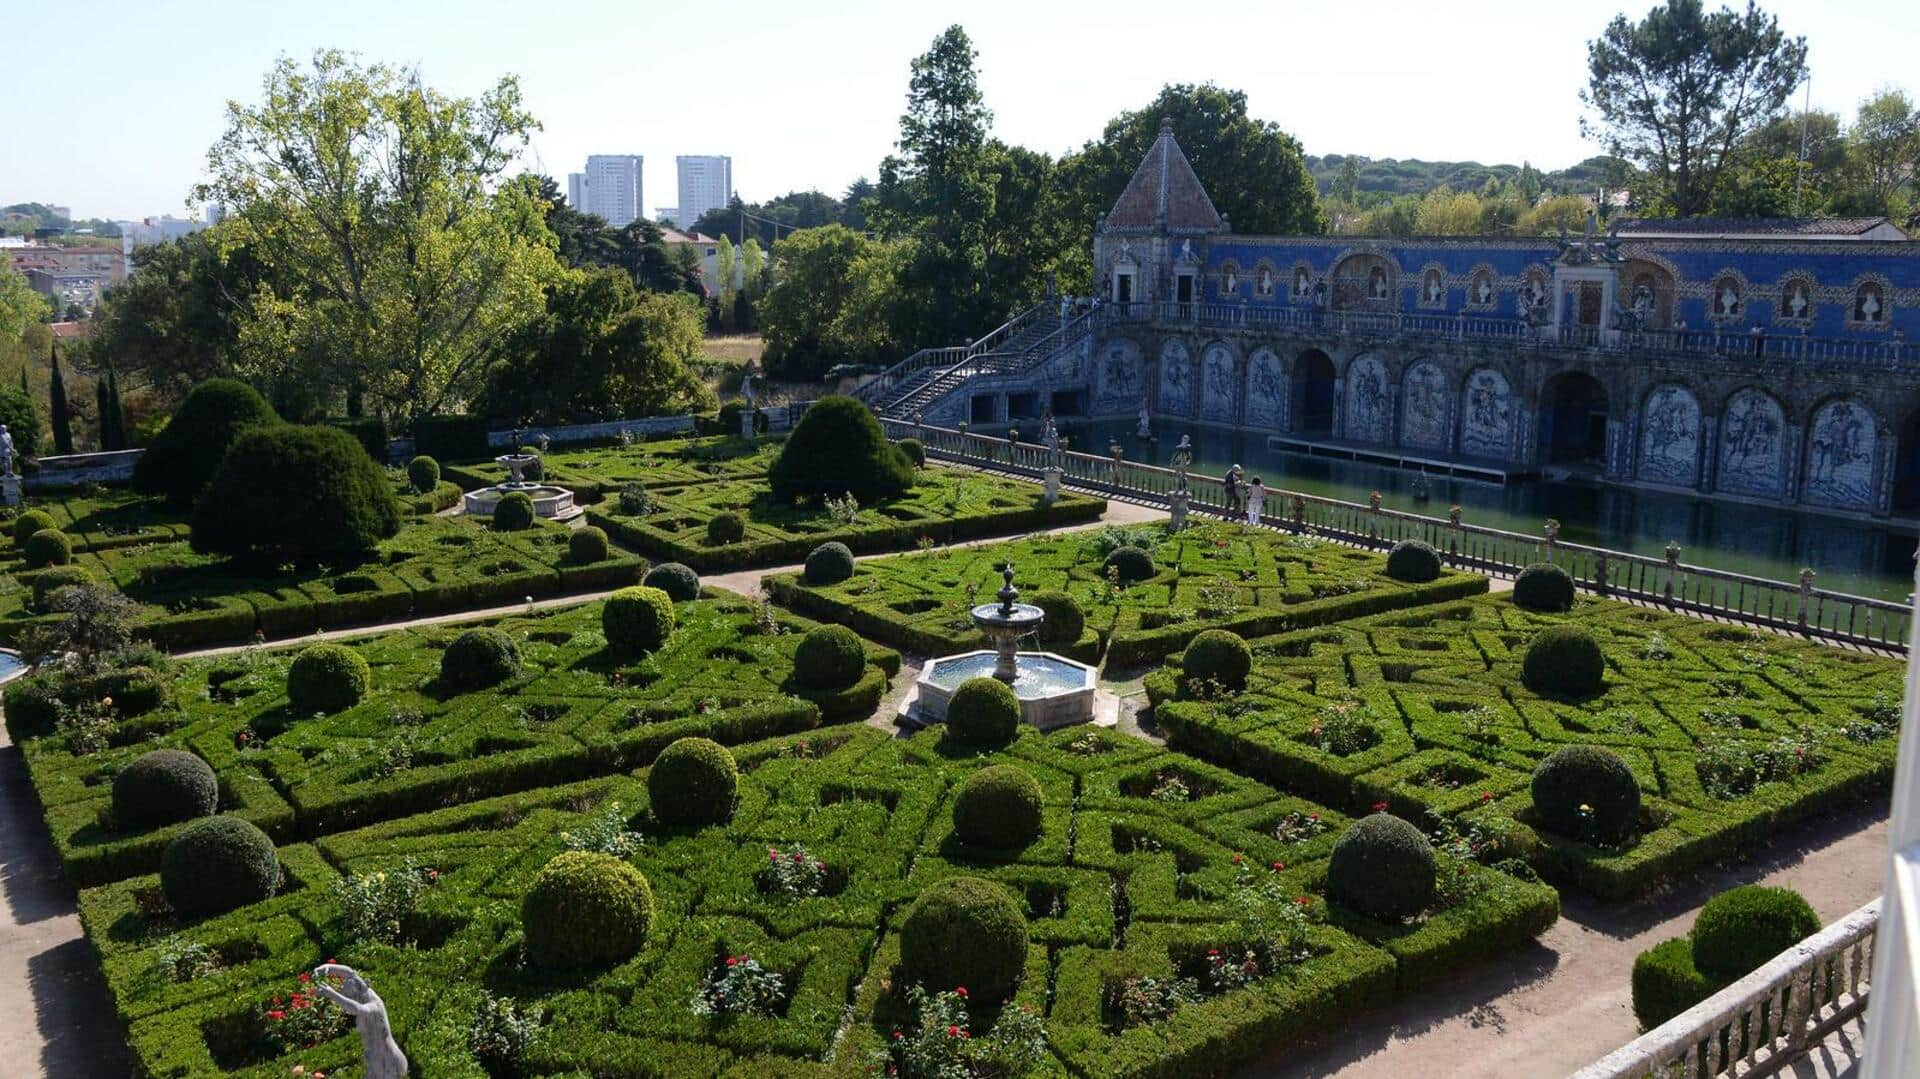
x=57 y=408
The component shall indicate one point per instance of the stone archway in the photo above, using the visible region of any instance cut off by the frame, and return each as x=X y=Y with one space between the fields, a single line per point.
x=1573 y=420
x=1313 y=398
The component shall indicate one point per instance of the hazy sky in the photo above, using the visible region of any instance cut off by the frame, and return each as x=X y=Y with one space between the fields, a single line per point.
x=802 y=95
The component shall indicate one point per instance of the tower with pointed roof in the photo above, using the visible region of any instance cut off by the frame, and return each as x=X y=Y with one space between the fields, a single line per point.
x=1153 y=244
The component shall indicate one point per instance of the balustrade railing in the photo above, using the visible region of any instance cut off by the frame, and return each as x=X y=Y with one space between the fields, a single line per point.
x=1796 y=606
x=1764 y=1022
x=885 y=384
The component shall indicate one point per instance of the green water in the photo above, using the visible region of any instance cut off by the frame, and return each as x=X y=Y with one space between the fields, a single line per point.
x=1763 y=541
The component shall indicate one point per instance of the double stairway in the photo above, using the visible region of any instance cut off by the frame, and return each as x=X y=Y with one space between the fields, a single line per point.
x=1018 y=345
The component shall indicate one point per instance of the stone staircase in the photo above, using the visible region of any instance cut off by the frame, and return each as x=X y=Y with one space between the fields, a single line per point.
x=1022 y=343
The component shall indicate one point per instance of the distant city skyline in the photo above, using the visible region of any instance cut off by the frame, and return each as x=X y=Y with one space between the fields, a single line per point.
x=1391 y=78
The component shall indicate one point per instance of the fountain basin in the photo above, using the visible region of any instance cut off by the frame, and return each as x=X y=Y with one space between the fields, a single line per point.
x=553 y=503
x=1054 y=691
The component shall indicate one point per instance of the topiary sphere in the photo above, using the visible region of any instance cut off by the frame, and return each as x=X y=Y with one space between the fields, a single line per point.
x=585 y=910
x=838 y=448
x=218 y=864
x=48 y=547
x=1133 y=563
x=829 y=563
x=183 y=457
x=983 y=712
x=1564 y=661
x=586 y=546
x=163 y=787
x=30 y=522
x=1744 y=927
x=1218 y=655
x=1065 y=620
x=49 y=581
x=1543 y=587
x=479 y=658
x=693 y=783
x=725 y=528
x=915 y=450
x=637 y=620
x=1413 y=562
x=513 y=513
x=679 y=582
x=965 y=932
x=998 y=807
x=829 y=657
x=309 y=495
x=1575 y=776
x=1382 y=867
x=327 y=678
x=1666 y=983
x=423 y=473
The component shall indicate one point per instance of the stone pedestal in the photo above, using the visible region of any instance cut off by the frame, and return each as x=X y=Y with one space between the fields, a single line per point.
x=10 y=489
x=1179 y=510
x=746 y=423
x=1052 y=474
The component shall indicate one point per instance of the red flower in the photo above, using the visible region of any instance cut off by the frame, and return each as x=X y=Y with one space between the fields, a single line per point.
x=731 y=960
x=1379 y=807
x=276 y=1014
x=796 y=856
x=960 y=991
x=305 y=978
x=1213 y=951
x=953 y=1032
x=1278 y=866
x=897 y=1035
x=1486 y=796
x=1305 y=901
x=773 y=855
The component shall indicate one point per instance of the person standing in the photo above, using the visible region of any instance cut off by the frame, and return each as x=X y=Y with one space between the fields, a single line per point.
x=1230 y=484
x=1256 y=498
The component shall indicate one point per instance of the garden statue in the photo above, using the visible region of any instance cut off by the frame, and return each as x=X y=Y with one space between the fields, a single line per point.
x=1050 y=437
x=1144 y=429
x=379 y=1053
x=1183 y=459
x=6 y=451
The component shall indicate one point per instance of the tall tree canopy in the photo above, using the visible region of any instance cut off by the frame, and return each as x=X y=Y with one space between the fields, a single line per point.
x=1678 y=92
x=378 y=206
x=20 y=306
x=175 y=321
x=1885 y=144
x=834 y=301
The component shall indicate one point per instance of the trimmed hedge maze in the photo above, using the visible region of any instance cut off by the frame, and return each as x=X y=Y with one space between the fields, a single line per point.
x=1251 y=581
x=1730 y=734
x=1130 y=894
x=435 y=564
x=413 y=742
x=601 y=472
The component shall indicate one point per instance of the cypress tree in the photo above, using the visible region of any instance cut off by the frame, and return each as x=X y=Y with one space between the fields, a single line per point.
x=57 y=405
x=119 y=414
x=103 y=403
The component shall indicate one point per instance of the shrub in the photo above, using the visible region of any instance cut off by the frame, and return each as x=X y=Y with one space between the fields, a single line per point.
x=327 y=678
x=1586 y=793
x=49 y=581
x=1742 y=928
x=726 y=527
x=218 y=864
x=998 y=806
x=584 y=910
x=586 y=546
x=637 y=620
x=1666 y=983
x=30 y=522
x=135 y=688
x=1564 y=661
x=965 y=932
x=183 y=458
x=479 y=658
x=1065 y=620
x=22 y=421
x=163 y=787
x=1413 y=562
x=1382 y=867
x=423 y=473
x=536 y=469
x=513 y=513
x=915 y=450
x=829 y=563
x=837 y=448
x=829 y=657
x=692 y=783
x=1543 y=587
x=1218 y=655
x=369 y=431
x=679 y=582
x=1130 y=563
x=983 y=713
x=48 y=547
x=307 y=494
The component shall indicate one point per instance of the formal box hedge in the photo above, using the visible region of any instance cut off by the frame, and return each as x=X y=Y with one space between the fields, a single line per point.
x=1731 y=734
x=1252 y=581
x=413 y=744
x=597 y=473
x=1126 y=883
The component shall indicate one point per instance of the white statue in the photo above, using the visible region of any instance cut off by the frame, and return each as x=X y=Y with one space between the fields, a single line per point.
x=1869 y=306
x=1729 y=300
x=1266 y=282
x=1486 y=291
x=1433 y=288
x=379 y=1053
x=6 y=451
x=1145 y=427
x=1300 y=284
x=1798 y=303
x=1233 y=281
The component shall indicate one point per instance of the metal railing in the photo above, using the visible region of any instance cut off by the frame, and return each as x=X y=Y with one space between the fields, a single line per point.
x=877 y=389
x=1762 y=1023
x=1797 y=607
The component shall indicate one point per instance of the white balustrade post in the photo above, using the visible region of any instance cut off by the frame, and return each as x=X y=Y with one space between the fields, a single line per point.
x=1892 y=1048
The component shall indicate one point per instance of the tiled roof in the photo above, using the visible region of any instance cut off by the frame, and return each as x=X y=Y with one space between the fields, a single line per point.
x=70 y=329
x=675 y=236
x=1164 y=192
x=1749 y=226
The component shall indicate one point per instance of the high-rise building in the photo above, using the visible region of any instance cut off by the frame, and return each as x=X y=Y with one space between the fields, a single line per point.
x=667 y=213
x=577 y=192
x=610 y=188
x=706 y=183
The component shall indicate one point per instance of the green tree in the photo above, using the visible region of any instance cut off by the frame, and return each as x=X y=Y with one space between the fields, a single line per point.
x=1347 y=186
x=753 y=263
x=1679 y=91
x=656 y=266
x=1554 y=214
x=833 y=302
x=175 y=321
x=723 y=264
x=1447 y=213
x=57 y=410
x=20 y=306
x=1885 y=146
x=378 y=206
x=583 y=239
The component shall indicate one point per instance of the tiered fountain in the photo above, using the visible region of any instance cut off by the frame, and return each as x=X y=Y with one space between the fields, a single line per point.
x=553 y=503
x=1054 y=691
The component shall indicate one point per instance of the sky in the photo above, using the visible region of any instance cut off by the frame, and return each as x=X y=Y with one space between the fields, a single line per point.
x=807 y=96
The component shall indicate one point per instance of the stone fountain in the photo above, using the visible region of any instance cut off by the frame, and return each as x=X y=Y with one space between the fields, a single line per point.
x=1054 y=691
x=553 y=503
